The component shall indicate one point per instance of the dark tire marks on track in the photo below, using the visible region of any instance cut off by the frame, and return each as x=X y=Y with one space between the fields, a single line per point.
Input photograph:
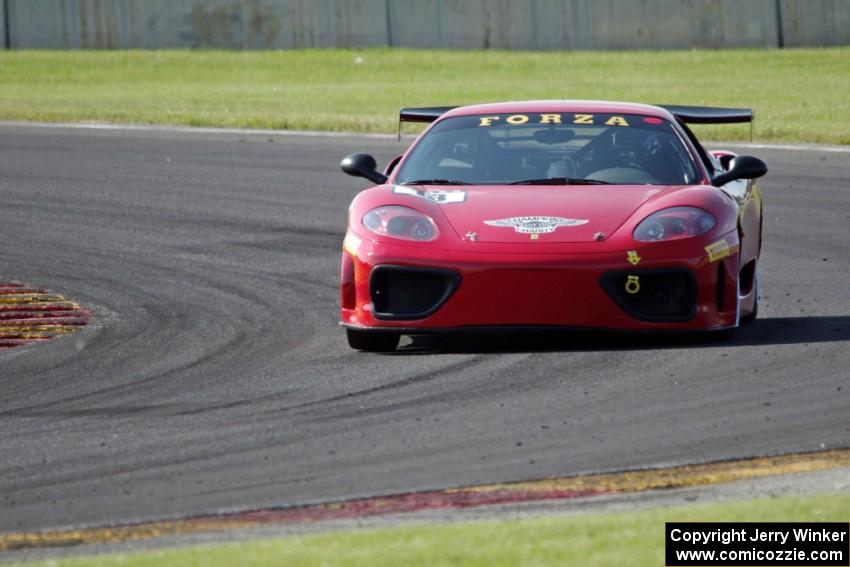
x=213 y=375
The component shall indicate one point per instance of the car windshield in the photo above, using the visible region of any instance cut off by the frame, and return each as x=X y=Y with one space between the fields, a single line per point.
x=550 y=149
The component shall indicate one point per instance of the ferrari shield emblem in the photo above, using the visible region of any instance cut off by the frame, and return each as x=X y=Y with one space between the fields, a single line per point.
x=633 y=258
x=536 y=225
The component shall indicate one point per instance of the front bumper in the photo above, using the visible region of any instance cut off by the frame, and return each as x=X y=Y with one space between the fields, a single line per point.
x=665 y=286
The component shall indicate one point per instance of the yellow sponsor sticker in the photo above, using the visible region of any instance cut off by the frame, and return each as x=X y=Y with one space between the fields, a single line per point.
x=351 y=244
x=549 y=118
x=616 y=121
x=487 y=120
x=718 y=250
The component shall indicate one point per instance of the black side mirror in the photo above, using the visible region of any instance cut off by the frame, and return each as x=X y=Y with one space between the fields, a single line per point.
x=363 y=165
x=743 y=167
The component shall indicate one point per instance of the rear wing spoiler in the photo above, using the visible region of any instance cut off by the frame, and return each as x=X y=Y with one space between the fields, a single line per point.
x=689 y=114
x=427 y=115
x=709 y=114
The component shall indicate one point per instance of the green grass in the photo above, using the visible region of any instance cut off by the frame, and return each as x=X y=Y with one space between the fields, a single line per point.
x=628 y=538
x=799 y=94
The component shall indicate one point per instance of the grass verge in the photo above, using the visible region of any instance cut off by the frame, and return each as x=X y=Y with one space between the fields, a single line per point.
x=799 y=94
x=625 y=538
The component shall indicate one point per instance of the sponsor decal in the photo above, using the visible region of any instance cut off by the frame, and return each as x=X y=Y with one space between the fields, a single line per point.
x=554 y=118
x=633 y=258
x=718 y=250
x=536 y=225
x=441 y=197
x=632 y=284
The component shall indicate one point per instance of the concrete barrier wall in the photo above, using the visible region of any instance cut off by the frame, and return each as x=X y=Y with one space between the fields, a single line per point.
x=817 y=24
x=3 y=28
x=233 y=24
x=585 y=24
x=463 y=24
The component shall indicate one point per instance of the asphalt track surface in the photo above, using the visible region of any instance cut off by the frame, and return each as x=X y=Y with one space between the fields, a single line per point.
x=214 y=377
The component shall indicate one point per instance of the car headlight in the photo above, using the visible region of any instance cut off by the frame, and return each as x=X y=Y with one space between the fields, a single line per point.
x=400 y=222
x=674 y=223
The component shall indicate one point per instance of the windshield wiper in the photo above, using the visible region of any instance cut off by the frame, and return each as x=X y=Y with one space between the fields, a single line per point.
x=560 y=181
x=435 y=182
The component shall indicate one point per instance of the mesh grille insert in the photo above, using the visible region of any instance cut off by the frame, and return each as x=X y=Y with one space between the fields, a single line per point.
x=404 y=292
x=655 y=296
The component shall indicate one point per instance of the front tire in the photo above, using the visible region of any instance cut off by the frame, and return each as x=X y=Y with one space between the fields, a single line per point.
x=750 y=317
x=372 y=341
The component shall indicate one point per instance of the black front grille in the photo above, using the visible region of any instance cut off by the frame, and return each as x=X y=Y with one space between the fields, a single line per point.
x=656 y=296
x=404 y=292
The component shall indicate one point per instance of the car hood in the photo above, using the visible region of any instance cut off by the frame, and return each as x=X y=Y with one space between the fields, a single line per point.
x=572 y=213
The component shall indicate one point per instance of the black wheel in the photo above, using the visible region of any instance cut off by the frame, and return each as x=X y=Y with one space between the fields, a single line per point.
x=750 y=318
x=372 y=341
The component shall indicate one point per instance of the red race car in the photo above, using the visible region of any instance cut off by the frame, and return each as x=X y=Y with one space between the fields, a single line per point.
x=553 y=214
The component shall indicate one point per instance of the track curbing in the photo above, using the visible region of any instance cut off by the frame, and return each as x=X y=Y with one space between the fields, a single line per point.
x=30 y=315
x=564 y=488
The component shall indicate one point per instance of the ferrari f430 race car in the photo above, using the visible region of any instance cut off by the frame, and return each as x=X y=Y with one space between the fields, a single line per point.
x=553 y=214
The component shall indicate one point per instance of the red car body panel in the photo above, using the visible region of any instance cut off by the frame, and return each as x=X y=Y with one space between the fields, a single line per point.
x=555 y=279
